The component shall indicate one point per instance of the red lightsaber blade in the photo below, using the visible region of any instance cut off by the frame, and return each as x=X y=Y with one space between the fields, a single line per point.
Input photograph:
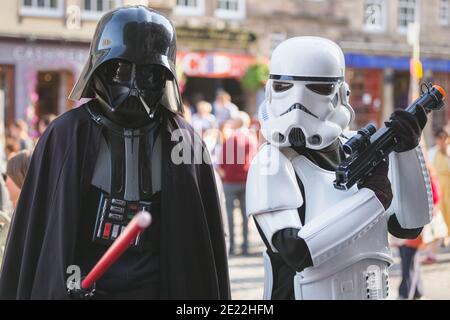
x=138 y=224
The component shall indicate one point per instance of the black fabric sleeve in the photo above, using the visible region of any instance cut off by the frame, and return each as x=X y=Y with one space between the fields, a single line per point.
x=396 y=229
x=292 y=249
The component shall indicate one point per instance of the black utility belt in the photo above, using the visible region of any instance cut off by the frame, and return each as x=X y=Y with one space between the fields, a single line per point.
x=113 y=216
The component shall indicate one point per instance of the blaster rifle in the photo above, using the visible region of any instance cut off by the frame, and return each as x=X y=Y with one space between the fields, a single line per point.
x=371 y=146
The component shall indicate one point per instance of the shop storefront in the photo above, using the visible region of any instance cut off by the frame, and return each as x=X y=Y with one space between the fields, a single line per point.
x=366 y=98
x=381 y=84
x=203 y=73
x=36 y=77
x=210 y=59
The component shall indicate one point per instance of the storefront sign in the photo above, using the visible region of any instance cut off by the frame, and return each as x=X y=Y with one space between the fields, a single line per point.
x=38 y=53
x=214 y=64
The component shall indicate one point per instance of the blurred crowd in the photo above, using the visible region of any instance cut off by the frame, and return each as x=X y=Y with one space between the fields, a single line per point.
x=231 y=137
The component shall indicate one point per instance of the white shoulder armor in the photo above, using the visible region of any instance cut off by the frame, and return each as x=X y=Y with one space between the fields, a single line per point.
x=271 y=183
x=412 y=203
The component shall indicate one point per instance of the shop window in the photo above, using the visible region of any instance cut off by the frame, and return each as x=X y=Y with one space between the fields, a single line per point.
x=365 y=98
x=375 y=15
x=407 y=13
x=94 y=9
x=190 y=7
x=230 y=9
x=444 y=12
x=43 y=8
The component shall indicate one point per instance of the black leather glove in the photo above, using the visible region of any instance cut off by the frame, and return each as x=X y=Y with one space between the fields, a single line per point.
x=292 y=249
x=407 y=128
x=379 y=183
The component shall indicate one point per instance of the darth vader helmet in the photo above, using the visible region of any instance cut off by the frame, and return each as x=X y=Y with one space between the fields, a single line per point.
x=131 y=62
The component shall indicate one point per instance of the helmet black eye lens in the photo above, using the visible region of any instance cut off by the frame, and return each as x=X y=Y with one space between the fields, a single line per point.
x=150 y=77
x=118 y=72
x=279 y=86
x=324 y=89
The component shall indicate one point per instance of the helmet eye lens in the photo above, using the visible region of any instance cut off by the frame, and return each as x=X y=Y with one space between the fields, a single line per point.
x=324 y=89
x=150 y=77
x=279 y=86
x=118 y=72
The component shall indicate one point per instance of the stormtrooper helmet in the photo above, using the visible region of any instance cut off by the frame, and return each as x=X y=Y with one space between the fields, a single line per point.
x=306 y=103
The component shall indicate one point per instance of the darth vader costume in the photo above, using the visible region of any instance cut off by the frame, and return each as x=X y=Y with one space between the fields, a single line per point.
x=99 y=164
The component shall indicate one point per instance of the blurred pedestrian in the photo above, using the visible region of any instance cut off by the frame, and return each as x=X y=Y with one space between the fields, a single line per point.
x=44 y=122
x=439 y=157
x=5 y=215
x=436 y=231
x=12 y=146
x=237 y=152
x=223 y=208
x=411 y=286
x=213 y=140
x=203 y=119
x=16 y=170
x=187 y=114
x=223 y=108
x=19 y=130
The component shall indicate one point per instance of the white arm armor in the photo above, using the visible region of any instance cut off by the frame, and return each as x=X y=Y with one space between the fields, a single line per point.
x=272 y=192
x=341 y=225
x=412 y=203
x=272 y=222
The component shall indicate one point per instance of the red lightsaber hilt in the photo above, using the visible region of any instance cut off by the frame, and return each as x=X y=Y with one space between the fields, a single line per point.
x=138 y=224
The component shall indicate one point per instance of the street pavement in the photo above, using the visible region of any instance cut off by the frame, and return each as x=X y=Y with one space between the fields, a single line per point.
x=247 y=272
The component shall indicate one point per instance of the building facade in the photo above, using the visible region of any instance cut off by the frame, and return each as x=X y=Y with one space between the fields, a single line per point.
x=377 y=40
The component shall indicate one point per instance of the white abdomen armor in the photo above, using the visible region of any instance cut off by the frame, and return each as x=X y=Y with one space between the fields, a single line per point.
x=356 y=270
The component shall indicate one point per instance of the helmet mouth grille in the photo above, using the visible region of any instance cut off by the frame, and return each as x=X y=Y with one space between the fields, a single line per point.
x=297 y=138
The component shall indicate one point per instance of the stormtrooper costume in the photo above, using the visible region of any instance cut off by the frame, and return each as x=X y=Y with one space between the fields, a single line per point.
x=324 y=243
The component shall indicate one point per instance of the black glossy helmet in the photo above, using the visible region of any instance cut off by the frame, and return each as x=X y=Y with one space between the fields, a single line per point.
x=127 y=40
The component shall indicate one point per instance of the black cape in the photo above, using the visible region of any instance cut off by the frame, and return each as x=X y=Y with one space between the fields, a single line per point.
x=42 y=239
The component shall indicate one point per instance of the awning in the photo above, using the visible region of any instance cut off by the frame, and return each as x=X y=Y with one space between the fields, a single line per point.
x=355 y=60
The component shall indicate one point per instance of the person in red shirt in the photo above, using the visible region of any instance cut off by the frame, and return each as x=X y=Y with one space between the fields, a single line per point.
x=240 y=145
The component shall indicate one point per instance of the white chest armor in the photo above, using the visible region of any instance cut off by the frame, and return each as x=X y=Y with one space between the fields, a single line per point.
x=359 y=270
x=320 y=194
